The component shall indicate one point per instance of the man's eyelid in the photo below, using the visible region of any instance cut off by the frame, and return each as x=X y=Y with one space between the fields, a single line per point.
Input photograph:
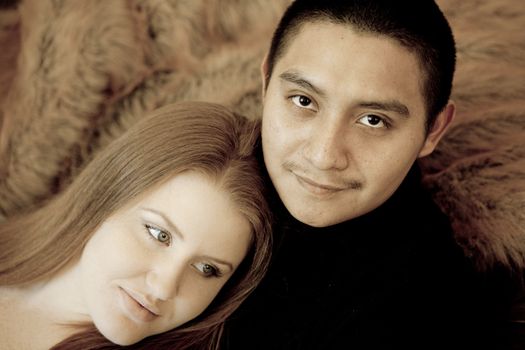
x=387 y=121
x=297 y=90
x=313 y=104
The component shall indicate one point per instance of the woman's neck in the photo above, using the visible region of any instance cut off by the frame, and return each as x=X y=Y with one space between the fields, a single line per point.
x=39 y=315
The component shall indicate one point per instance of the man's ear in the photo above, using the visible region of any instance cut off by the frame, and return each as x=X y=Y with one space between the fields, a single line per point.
x=441 y=124
x=264 y=74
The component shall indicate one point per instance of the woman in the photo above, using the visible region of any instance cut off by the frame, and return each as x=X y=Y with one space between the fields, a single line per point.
x=161 y=236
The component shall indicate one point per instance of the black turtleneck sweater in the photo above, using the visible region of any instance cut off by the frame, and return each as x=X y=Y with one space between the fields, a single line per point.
x=393 y=278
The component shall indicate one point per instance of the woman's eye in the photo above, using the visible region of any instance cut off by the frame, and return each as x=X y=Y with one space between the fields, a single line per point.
x=302 y=101
x=207 y=270
x=159 y=235
x=373 y=121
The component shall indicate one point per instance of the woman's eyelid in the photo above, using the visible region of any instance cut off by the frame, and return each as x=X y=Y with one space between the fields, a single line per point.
x=217 y=272
x=159 y=230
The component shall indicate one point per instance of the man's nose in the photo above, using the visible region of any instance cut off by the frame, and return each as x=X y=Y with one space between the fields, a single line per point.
x=325 y=147
x=165 y=278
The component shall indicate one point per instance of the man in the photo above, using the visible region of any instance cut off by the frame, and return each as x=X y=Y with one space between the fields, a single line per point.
x=354 y=93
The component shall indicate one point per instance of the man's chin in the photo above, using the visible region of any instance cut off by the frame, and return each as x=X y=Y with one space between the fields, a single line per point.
x=313 y=218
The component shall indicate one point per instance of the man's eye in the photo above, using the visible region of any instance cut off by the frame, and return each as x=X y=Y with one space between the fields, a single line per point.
x=302 y=101
x=158 y=234
x=208 y=270
x=373 y=121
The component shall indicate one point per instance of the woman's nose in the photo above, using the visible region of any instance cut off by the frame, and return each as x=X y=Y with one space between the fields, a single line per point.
x=164 y=279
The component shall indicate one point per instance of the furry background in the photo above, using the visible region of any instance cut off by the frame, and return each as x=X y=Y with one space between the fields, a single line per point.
x=74 y=74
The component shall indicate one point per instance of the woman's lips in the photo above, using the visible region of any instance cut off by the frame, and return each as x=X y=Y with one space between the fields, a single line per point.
x=134 y=308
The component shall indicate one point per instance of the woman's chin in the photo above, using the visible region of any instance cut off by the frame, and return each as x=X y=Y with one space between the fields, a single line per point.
x=119 y=335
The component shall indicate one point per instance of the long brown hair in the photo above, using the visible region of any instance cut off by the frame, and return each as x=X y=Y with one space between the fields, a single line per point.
x=194 y=136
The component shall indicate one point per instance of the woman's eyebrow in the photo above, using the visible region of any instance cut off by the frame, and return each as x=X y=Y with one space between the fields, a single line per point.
x=219 y=261
x=172 y=227
x=168 y=222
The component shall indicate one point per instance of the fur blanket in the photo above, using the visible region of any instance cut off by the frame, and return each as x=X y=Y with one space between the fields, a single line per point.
x=75 y=74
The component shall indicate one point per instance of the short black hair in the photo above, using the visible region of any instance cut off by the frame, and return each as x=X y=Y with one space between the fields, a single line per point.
x=418 y=25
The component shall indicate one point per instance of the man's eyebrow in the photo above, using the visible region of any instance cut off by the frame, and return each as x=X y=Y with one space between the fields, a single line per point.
x=392 y=106
x=296 y=78
x=172 y=227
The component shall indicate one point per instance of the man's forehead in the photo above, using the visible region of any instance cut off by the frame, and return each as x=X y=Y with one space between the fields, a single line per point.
x=309 y=42
x=315 y=28
x=321 y=64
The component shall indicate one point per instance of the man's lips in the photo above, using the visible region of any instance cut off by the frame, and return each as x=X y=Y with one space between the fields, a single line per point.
x=316 y=187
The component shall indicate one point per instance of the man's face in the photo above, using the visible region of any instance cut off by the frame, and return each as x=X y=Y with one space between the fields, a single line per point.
x=343 y=122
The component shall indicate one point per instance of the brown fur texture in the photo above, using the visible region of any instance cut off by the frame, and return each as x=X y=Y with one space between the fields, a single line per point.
x=74 y=74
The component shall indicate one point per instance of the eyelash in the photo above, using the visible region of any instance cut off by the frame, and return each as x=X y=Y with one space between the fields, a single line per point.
x=298 y=105
x=149 y=229
x=216 y=272
x=387 y=125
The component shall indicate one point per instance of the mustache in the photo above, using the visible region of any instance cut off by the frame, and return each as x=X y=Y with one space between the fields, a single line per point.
x=333 y=181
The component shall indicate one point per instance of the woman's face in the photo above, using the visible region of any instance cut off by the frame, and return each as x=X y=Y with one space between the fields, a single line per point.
x=159 y=263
